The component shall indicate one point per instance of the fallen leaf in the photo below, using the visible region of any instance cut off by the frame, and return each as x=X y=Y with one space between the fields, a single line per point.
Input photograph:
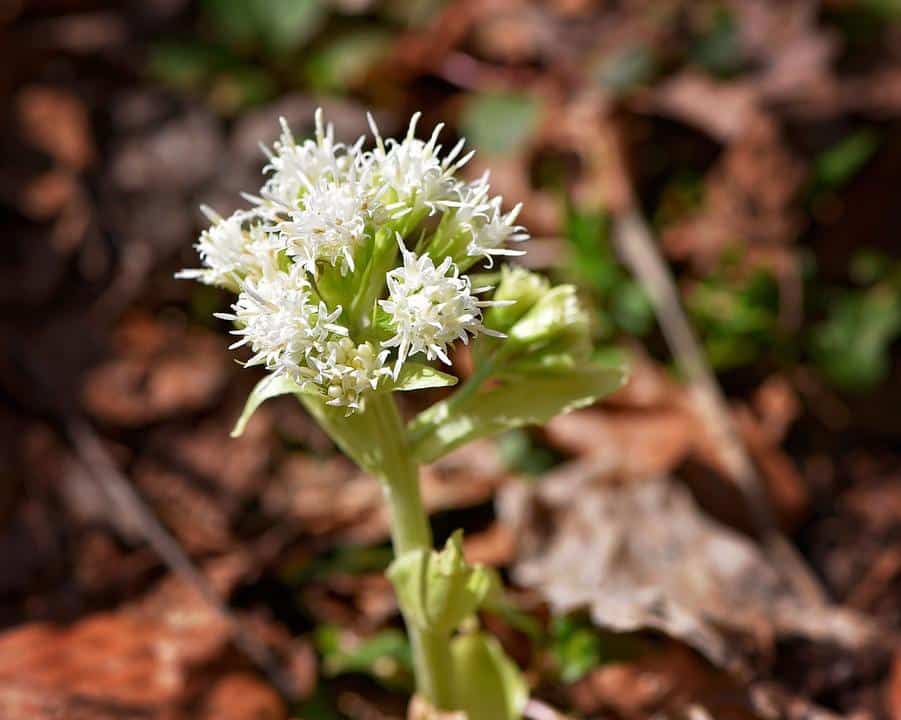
x=656 y=562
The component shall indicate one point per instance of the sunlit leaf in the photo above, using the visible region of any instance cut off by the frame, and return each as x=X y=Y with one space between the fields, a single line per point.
x=419 y=376
x=269 y=387
x=529 y=400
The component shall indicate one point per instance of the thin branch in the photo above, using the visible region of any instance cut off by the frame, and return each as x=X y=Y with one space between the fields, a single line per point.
x=121 y=494
x=638 y=250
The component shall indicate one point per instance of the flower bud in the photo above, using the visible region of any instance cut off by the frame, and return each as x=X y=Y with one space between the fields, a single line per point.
x=557 y=316
x=521 y=288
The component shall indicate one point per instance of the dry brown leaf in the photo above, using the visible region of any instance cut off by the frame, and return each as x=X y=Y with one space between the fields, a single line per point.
x=332 y=498
x=140 y=657
x=749 y=197
x=159 y=370
x=56 y=121
x=241 y=696
x=656 y=562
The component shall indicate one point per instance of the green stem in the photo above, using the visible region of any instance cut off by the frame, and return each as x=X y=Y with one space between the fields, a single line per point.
x=410 y=531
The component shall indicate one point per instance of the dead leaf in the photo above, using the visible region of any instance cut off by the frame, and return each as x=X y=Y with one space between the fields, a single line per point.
x=159 y=370
x=241 y=696
x=56 y=121
x=656 y=562
x=140 y=657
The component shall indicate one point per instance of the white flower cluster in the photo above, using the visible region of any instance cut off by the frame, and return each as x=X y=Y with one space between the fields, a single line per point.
x=327 y=289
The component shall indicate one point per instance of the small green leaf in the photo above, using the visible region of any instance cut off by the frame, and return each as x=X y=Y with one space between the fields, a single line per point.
x=840 y=163
x=852 y=345
x=528 y=400
x=346 y=59
x=437 y=590
x=269 y=387
x=576 y=647
x=419 y=376
x=385 y=656
x=487 y=684
x=499 y=123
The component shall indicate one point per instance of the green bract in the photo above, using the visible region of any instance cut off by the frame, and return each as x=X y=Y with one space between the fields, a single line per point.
x=437 y=590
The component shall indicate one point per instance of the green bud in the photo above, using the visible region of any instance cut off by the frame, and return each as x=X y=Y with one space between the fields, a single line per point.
x=557 y=316
x=524 y=288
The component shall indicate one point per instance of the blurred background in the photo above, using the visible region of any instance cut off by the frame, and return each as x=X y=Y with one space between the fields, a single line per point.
x=721 y=539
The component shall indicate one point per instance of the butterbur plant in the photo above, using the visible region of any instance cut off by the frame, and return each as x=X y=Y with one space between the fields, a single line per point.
x=353 y=270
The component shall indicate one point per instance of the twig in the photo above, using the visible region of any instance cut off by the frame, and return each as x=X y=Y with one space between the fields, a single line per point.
x=638 y=250
x=118 y=489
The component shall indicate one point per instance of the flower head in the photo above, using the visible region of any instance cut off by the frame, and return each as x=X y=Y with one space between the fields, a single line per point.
x=278 y=318
x=430 y=307
x=232 y=249
x=412 y=173
x=329 y=225
x=323 y=298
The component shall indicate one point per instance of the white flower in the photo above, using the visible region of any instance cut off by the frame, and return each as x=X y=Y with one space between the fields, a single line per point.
x=412 y=171
x=282 y=323
x=430 y=307
x=490 y=236
x=329 y=226
x=346 y=372
x=293 y=167
x=233 y=248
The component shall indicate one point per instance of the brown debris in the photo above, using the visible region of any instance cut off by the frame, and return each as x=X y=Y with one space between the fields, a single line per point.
x=159 y=370
x=686 y=576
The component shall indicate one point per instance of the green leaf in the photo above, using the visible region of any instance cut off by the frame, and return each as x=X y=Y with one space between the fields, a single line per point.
x=437 y=590
x=278 y=26
x=529 y=400
x=576 y=647
x=347 y=58
x=359 y=435
x=269 y=387
x=499 y=123
x=419 y=376
x=385 y=656
x=852 y=346
x=840 y=163
x=487 y=684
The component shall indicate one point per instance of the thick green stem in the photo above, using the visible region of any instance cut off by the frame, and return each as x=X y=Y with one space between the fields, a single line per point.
x=410 y=531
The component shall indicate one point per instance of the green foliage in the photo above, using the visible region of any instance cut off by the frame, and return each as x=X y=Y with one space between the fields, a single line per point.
x=523 y=455
x=737 y=316
x=384 y=656
x=269 y=387
x=623 y=304
x=277 y=27
x=839 y=164
x=349 y=559
x=344 y=60
x=717 y=48
x=499 y=123
x=852 y=346
x=575 y=646
x=531 y=399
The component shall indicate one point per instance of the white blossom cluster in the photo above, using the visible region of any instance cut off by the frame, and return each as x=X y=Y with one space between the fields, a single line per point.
x=328 y=292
